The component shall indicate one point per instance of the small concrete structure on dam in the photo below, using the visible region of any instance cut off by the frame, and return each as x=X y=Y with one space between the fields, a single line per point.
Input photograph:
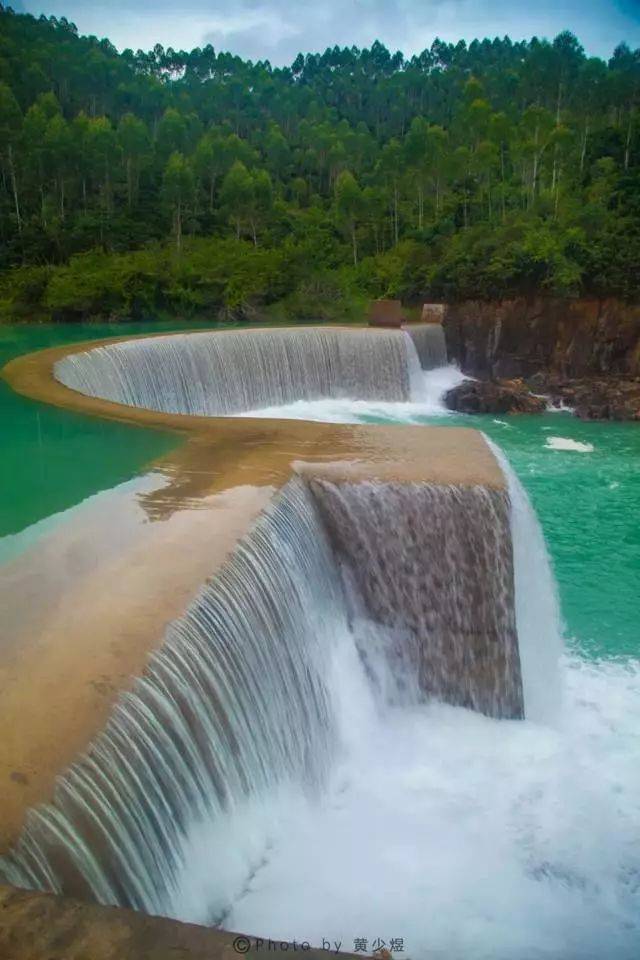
x=167 y=651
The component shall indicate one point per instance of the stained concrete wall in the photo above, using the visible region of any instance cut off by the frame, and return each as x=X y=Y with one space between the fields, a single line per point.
x=40 y=926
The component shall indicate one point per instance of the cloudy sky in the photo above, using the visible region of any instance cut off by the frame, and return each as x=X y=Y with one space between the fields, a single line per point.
x=278 y=29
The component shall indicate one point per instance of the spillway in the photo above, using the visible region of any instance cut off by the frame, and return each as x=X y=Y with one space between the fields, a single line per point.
x=234 y=702
x=430 y=344
x=434 y=563
x=225 y=372
x=390 y=575
x=238 y=700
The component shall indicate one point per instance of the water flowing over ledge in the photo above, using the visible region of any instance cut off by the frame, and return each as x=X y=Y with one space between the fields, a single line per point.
x=434 y=563
x=225 y=372
x=234 y=702
x=377 y=595
x=239 y=701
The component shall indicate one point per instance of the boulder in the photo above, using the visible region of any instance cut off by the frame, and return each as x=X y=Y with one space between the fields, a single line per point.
x=493 y=396
x=611 y=398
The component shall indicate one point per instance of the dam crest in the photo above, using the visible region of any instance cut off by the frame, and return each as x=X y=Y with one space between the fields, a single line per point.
x=229 y=372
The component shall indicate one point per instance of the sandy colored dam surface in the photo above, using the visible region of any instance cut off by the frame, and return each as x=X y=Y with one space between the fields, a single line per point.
x=33 y=926
x=84 y=607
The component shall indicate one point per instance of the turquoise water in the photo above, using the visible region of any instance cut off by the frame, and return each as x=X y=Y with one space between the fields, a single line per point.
x=54 y=459
x=589 y=506
x=588 y=501
x=587 y=498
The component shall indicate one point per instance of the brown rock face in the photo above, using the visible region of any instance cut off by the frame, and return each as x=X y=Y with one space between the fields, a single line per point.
x=584 y=353
x=491 y=396
x=564 y=338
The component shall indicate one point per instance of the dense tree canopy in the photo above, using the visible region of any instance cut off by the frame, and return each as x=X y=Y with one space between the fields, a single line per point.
x=198 y=181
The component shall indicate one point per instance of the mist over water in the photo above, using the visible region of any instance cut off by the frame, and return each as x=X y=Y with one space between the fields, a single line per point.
x=426 y=401
x=466 y=836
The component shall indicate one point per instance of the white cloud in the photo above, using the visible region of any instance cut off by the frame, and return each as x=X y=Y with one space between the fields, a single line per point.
x=279 y=29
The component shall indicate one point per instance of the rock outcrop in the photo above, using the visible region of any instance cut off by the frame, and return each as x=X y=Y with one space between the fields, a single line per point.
x=564 y=338
x=493 y=396
x=584 y=354
x=611 y=398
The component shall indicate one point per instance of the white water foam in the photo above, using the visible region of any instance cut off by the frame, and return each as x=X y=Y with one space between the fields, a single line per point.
x=427 y=390
x=464 y=836
x=566 y=443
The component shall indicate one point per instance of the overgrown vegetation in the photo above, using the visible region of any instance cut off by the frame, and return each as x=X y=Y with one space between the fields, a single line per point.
x=201 y=184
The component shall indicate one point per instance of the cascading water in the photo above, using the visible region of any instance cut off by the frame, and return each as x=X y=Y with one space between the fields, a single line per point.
x=269 y=773
x=414 y=369
x=234 y=703
x=434 y=563
x=220 y=373
x=536 y=603
x=240 y=701
x=429 y=341
x=427 y=382
x=442 y=833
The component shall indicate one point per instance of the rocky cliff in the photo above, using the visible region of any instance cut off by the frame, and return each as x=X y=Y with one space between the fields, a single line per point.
x=557 y=338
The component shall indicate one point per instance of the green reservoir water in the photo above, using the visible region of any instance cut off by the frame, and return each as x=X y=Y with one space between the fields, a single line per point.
x=589 y=506
x=588 y=500
x=52 y=459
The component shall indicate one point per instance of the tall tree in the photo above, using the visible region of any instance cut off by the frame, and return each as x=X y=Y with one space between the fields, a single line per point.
x=349 y=207
x=177 y=191
x=134 y=142
x=10 y=127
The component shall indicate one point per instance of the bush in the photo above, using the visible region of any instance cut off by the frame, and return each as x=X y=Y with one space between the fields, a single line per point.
x=21 y=293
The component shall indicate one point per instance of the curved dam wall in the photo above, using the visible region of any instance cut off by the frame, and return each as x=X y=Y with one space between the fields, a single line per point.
x=218 y=373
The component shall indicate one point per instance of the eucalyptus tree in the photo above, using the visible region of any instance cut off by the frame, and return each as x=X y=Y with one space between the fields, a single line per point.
x=135 y=144
x=10 y=128
x=495 y=145
x=349 y=207
x=177 y=192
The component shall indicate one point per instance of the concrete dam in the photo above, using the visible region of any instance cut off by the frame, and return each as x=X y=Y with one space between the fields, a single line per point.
x=275 y=561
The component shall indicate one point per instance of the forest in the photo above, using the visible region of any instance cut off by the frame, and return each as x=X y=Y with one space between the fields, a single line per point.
x=197 y=184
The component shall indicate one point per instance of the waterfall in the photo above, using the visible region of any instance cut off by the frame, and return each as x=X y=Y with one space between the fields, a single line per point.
x=434 y=563
x=234 y=703
x=227 y=372
x=430 y=344
x=414 y=582
x=536 y=603
x=417 y=390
